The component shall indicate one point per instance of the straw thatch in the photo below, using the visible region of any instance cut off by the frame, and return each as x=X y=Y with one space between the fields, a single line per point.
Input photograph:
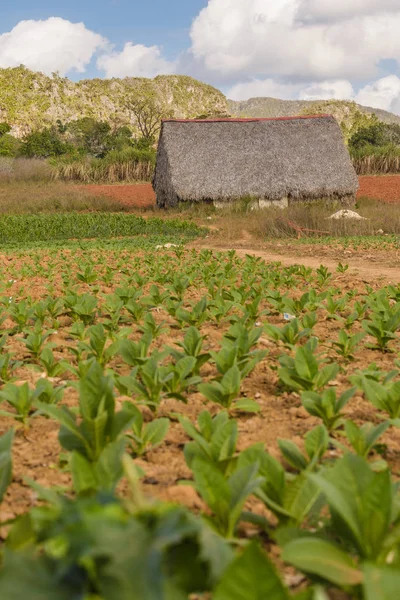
x=297 y=158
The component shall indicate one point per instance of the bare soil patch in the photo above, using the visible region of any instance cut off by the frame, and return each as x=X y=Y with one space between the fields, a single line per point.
x=142 y=195
x=380 y=187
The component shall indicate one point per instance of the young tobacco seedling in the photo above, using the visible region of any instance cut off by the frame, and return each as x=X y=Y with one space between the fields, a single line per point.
x=21 y=398
x=99 y=423
x=88 y=275
x=225 y=392
x=34 y=342
x=136 y=353
x=342 y=268
x=52 y=367
x=305 y=371
x=236 y=349
x=46 y=393
x=383 y=327
x=214 y=440
x=146 y=437
x=316 y=443
x=290 y=334
x=335 y=306
x=365 y=521
x=326 y=406
x=151 y=327
x=289 y=499
x=385 y=397
x=225 y=496
x=83 y=308
x=194 y=317
x=364 y=438
x=21 y=313
x=372 y=373
x=7 y=366
x=182 y=377
x=323 y=275
x=150 y=382
x=192 y=346
x=6 y=441
x=347 y=344
x=97 y=347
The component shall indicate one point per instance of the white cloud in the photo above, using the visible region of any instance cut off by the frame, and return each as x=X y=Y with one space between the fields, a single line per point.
x=384 y=93
x=326 y=11
x=328 y=90
x=323 y=90
x=265 y=38
x=135 y=61
x=48 y=46
x=259 y=88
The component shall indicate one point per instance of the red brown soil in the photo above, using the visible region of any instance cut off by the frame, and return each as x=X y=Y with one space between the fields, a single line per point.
x=137 y=195
x=142 y=195
x=380 y=187
x=36 y=451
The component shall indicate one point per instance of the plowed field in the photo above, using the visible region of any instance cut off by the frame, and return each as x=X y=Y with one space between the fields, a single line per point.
x=142 y=195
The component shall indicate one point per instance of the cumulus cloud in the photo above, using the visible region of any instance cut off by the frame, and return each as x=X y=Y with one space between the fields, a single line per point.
x=384 y=93
x=51 y=45
x=322 y=90
x=325 y=11
x=135 y=61
x=266 y=38
x=328 y=90
x=259 y=88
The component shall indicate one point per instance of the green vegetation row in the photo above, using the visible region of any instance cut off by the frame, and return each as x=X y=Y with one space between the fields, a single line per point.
x=16 y=229
x=330 y=506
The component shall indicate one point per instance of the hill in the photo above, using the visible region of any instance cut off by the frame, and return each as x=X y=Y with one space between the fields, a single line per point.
x=349 y=114
x=30 y=100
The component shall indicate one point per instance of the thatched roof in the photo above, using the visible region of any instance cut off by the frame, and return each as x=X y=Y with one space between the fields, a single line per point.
x=300 y=158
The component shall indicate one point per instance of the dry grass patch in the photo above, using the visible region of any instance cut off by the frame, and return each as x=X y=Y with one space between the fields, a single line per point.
x=237 y=220
x=18 y=197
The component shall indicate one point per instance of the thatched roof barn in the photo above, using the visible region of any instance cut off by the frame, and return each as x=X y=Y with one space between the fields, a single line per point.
x=293 y=158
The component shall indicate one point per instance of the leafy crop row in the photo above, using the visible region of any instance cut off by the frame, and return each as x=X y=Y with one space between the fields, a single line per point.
x=48 y=227
x=154 y=343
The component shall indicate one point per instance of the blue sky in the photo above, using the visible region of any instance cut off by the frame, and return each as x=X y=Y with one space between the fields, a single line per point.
x=308 y=49
x=151 y=22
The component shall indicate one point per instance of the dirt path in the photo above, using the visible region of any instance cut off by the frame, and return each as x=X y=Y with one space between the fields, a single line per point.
x=358 y=265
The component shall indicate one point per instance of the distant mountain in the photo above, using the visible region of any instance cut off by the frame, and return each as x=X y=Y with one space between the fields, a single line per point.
x=30 y=100
x=349 y=114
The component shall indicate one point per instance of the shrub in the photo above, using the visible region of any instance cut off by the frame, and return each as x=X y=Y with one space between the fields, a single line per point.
x=4 y=128
x=9 y=145
x=44 y=144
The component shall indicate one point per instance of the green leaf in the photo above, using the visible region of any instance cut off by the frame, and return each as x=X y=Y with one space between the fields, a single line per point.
x=251 y=576
x=155 y=432
x=212 y=487
x=83 y=475
x=300 y=496
x=306 y=364
x=317 y=442
x=380 y=583
x=322 y=558
x=292 y=454
x=231 y=381
x=23 y=576
x=246 y=405
x=212 y=391
x=6 y=441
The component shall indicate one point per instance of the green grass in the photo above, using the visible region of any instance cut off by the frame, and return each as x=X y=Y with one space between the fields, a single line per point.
x=360 y=242
x=16 y=229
